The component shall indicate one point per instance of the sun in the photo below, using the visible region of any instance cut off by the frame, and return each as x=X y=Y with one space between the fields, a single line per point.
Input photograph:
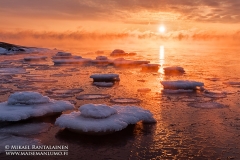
x=162 y=29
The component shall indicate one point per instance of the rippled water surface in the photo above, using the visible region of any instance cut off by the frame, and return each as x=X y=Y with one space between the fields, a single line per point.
x=181 y=132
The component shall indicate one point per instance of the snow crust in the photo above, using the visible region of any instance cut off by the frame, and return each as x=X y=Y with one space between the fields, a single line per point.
x=27 y=98
x=125 y=115
x=23 y=105
x=96 y=111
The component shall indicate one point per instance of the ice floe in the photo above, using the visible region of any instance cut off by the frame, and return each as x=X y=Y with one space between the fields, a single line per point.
x=12 y=71
x=150 y=67
x=181 y=84
x=121 y=62
x=103 y=84
x=207 y=105
x=92 y=96
x=102 y=119
x=118 y=52
x=173 y=70
x=27 y=98
x=105 y=77
x=79 y=61
x=35 y=58
x=3 y=51
x=63 y=54
x=23 y=105
x=102 y=60
x=125 y=100
x=214 y=94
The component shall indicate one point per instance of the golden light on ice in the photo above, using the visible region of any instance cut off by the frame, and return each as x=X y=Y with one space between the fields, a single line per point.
x=162 y=29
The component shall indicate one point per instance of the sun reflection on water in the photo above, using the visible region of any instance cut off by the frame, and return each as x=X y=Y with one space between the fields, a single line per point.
x=161 y=58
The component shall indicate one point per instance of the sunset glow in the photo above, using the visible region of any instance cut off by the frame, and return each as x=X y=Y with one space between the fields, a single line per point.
x=161 y=29
x=58 y=20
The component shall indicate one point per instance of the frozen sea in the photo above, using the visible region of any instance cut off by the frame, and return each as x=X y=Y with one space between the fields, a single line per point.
x=190 y=125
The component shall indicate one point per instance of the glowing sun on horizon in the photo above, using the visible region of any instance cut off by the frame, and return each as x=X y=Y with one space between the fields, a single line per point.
x=162 y=29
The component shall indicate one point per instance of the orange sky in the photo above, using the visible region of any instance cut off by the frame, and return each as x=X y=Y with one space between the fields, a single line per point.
x=105 y=19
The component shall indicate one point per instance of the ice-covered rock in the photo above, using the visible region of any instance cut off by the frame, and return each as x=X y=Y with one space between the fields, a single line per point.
x=35 y=58
x=99 y=120
x=105 y=77
x=181 y=84
x=23 y=105
x=103 y=84
x=173 y=70
x=118 y=52
x=150 y=67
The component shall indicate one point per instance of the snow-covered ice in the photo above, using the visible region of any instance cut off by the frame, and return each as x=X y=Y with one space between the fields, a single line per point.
x=118 y=52
x=105 y=77
x=63 y=54
x=150 y=67
x=103 y=120
x=96 y=111
x=35 y=58
x=79 y=61
x=27 y=98
x=173 y=70
x=23 y=105
x=3 y=51
x=121 y=62
x=181 y=84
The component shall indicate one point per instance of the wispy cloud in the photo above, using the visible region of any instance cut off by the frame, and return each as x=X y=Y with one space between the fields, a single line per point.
x=226 y=11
